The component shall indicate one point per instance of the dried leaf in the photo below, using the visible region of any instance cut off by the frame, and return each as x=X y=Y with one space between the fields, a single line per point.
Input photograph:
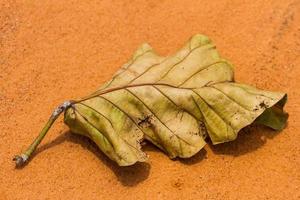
x=174 y=102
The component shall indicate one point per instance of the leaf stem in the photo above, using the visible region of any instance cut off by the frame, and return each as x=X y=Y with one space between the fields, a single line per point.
x=22 y=159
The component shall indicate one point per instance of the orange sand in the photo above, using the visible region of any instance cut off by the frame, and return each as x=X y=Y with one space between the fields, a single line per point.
x=51 y=51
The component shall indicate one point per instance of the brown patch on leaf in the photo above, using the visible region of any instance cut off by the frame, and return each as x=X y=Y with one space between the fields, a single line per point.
x=146 y=121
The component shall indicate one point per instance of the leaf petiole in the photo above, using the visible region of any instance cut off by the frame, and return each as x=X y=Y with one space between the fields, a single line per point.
x=24 y=157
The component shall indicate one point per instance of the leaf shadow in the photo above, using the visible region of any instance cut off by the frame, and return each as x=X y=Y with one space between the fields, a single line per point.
x=128 y=176
x=248 y=140
x=198 y=157
x=149 y=147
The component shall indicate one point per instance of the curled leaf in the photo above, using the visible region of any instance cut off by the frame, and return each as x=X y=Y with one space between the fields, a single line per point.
x=174 y=102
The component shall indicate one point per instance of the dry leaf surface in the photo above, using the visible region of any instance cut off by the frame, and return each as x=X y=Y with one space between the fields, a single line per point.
x=174 y=102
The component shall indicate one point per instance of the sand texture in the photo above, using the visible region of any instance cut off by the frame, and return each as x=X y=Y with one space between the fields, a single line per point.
x=52 y=51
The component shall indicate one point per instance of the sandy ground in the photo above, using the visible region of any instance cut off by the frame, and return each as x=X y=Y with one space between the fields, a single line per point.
x=51 y=51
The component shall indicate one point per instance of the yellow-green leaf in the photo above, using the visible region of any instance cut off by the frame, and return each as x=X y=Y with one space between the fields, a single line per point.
x=174 y=102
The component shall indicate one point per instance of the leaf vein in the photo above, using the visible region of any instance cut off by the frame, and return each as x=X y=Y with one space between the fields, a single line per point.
x=224 y=120
x=231 y=98
x=124 y=114
x=159 y=90
x=184 y=58
x=85 y=119
x=158 y=118
x=198 y=71
x=125 y=69
x=90 y=107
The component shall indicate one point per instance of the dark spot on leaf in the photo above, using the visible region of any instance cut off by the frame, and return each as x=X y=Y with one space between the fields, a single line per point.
x=203 y=130
x=146 y=121
x=180 y=112
x=263 y=105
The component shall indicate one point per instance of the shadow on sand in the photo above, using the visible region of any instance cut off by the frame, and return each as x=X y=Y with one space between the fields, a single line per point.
x=249 y=139
x=128 y=176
